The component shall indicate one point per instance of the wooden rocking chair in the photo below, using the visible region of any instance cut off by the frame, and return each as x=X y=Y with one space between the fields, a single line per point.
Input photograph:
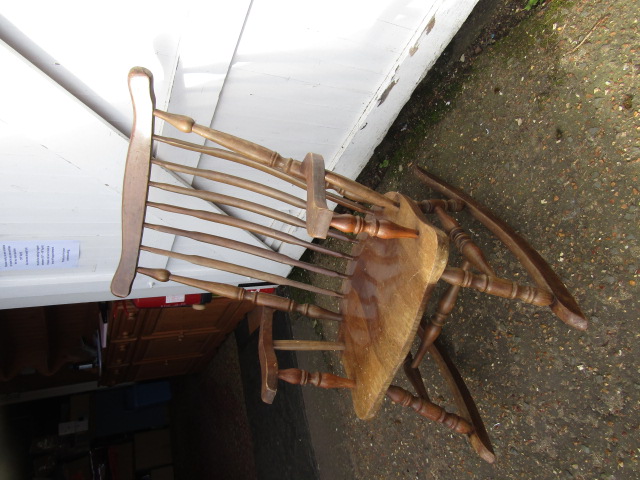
x=396 y=258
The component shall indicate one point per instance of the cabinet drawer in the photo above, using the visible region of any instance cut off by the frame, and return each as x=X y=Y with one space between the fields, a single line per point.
x=175 y=345
x=113 y=375
x=221 y=314
x=165 y=368
x=120 y=352
x=159 y=342
x=125 y=322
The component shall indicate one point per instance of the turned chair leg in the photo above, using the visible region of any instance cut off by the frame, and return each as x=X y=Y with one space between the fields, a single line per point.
x=429 y=206
x=436 y=322
x=270 y=371
x=429 y=410
x=468 y=412
x=463 y=242
x=500 y=287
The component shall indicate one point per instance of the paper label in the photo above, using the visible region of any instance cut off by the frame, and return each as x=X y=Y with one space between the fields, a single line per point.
x=175 y=299
x=39 y=254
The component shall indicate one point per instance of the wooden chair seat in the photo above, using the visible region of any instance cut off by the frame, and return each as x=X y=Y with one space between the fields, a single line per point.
x=396 y=256
x=389 y=284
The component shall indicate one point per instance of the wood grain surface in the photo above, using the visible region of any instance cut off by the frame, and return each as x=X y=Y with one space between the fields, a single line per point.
x=391 y=281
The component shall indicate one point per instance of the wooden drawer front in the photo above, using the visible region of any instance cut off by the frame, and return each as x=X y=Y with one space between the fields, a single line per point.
x=187 y=343
x=120 y=353
x=152 y=343
x=221 y=314
x=114 y=375
x=125 y=322
x=166 y=368
x=227 y=318
x=176 y=319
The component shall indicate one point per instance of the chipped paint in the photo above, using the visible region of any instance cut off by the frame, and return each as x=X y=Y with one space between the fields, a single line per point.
x=386 y=92
x=427 y=30
x=430 y=25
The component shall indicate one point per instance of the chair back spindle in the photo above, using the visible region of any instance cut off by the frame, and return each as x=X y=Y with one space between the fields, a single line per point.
x=139 y=183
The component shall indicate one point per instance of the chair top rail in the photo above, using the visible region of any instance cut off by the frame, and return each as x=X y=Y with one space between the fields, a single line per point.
x=136 y=179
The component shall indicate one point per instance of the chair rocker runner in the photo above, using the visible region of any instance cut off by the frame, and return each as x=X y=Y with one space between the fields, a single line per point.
x=396 y=257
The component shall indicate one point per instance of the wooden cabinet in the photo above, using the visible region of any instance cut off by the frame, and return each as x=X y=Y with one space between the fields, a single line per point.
x=149 y=343
x=43 y=347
